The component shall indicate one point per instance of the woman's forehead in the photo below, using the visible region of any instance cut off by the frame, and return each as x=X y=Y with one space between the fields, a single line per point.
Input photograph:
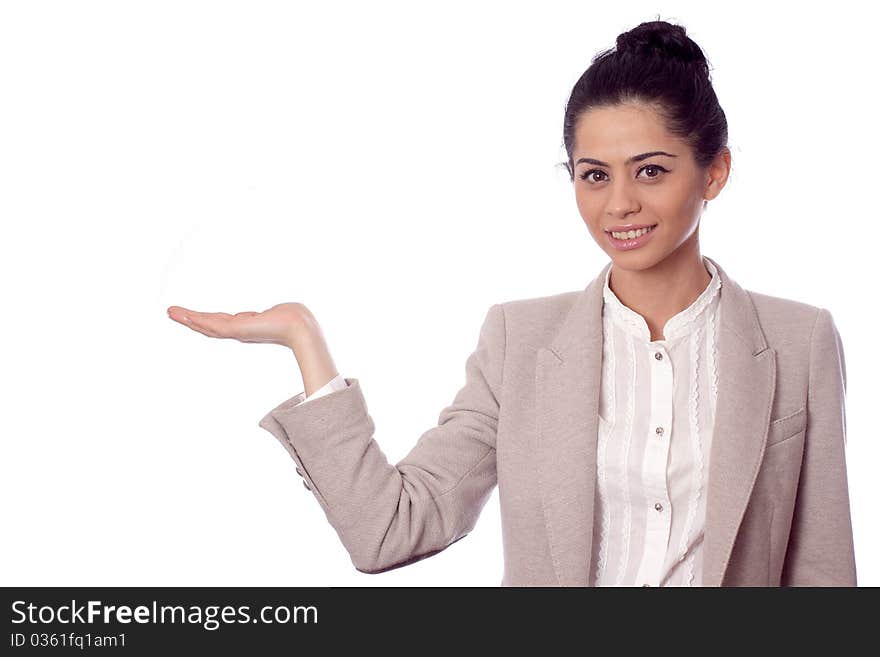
x=618 y=132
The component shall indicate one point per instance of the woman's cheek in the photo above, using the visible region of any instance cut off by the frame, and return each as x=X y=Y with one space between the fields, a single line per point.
x=587 y=212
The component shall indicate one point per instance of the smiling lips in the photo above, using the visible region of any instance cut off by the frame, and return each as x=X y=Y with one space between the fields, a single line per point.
x=632 y=238
x=630 y=231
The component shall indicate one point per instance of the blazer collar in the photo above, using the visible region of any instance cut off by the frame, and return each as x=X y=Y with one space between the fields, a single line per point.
x=567 y=385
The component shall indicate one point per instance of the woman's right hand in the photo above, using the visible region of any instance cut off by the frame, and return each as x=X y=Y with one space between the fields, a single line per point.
x=281 y=324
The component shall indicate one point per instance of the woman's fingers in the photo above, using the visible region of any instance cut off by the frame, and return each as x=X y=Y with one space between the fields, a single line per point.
x=274 y=325
x=179 y=314
x=214 y=325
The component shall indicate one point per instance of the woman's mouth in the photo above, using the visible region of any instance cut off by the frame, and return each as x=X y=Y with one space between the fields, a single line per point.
x=631 y=239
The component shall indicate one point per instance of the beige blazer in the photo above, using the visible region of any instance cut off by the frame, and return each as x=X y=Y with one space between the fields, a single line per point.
x=526 y=419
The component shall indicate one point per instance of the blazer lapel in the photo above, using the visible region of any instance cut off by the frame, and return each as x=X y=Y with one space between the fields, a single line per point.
x=567 y=386
x=746 y=386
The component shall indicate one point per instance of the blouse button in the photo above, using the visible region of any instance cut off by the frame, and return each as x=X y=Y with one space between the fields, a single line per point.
x=658 y=355
x=659 y=431
x=658 y=506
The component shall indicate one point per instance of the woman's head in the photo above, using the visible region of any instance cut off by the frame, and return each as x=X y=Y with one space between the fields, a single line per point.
x=651 y=94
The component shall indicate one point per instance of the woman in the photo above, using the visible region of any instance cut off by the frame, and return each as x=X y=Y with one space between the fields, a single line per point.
x=661 y=427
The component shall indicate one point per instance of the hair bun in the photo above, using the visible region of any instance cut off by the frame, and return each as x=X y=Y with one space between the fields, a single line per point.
x=660 y=38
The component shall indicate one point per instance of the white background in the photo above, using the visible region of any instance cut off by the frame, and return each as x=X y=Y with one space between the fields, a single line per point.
x=394 y=167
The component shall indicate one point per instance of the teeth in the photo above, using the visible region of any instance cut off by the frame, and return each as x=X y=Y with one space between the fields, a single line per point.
x=630 y=234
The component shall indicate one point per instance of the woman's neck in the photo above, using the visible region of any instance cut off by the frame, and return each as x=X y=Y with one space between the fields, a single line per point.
x=662 y=291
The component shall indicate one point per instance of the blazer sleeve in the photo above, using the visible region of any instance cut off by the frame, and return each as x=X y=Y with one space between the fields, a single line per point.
x=820 y=549
x=388 y=516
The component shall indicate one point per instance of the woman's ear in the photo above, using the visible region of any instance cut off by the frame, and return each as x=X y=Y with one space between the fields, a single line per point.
x=717 y=174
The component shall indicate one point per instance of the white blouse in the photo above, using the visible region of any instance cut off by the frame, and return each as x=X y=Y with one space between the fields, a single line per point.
x=656 y=412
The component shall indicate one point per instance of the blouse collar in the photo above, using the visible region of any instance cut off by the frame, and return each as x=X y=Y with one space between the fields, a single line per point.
x=677 y=325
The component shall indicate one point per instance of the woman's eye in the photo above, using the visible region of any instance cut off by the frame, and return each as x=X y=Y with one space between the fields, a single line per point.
x=586 y=174
x=648 y=167
x=655 y=167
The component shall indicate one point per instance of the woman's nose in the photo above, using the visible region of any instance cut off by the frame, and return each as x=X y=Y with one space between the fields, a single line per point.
x=622 y=200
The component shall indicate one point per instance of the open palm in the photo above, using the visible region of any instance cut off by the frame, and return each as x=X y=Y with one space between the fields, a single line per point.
x=277 y=324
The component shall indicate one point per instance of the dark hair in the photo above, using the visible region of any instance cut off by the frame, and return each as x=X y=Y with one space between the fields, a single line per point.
x=658 y=64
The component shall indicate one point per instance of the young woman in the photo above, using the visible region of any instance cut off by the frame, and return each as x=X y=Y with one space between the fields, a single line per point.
x=661 y=427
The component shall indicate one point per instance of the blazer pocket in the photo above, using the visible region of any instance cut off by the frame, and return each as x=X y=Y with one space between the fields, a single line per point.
x=788 y=426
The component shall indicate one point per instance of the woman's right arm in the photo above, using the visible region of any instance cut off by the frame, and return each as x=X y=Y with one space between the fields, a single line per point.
x=388 y=516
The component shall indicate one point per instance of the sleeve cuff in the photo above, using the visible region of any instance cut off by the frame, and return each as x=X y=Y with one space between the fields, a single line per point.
x=336 y=383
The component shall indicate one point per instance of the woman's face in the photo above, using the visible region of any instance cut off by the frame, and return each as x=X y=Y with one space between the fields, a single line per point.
x=661 y=190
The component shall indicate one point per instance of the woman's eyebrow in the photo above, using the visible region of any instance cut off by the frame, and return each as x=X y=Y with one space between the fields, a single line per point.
x=634 y=158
